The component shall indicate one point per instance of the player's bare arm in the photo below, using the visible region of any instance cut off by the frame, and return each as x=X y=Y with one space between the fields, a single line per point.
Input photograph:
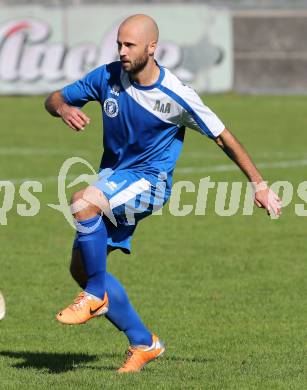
x=234 y=150
x=72 y=116
x=264 y=197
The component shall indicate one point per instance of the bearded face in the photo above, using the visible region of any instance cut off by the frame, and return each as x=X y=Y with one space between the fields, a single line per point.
x=137 y=39
x=133 y=61
x=139 y=62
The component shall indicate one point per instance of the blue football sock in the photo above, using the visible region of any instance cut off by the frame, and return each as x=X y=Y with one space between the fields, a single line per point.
x=93 y=247
x=122 y=314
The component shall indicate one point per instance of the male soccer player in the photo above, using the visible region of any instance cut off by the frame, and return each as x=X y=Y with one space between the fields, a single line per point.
x=145 y=111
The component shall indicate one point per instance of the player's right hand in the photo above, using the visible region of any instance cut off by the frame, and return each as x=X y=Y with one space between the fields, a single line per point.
x=267 y=199
x=73 y=117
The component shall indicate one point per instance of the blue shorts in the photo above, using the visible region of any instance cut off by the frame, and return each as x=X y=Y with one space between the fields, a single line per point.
x=132 y=196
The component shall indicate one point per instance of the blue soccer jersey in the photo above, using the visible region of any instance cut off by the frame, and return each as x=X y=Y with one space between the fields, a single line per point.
x=143 y=134
x=143 y=125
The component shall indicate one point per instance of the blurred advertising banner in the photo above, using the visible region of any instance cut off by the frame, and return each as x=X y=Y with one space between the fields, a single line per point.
x=42 y=48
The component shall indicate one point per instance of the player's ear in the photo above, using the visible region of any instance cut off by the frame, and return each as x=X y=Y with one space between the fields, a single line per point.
x=152 y=48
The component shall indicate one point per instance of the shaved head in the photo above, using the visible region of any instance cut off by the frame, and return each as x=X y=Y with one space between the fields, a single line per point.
x=142 y=25
x=137 y=41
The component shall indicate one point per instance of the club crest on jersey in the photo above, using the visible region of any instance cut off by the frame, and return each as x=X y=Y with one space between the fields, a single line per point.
x=110 y=107
x=165 y=108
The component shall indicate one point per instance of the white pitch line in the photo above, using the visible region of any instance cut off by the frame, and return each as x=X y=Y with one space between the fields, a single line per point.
x=45 y=179
x=264 y=154
x=183 y=170
x=35 y=151
x=8 y=151
x=233 y=167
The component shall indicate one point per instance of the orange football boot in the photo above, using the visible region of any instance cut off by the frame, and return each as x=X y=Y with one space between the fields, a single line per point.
x=139 y=356
x=84 y=308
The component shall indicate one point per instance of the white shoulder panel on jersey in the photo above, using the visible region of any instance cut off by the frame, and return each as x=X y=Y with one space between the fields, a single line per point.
x=153 y=100
x=195 y=114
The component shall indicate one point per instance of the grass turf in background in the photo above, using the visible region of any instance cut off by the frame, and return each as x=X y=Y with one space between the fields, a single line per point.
x=225 y=294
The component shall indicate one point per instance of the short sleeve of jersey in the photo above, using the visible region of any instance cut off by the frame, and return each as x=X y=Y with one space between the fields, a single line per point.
x=197 y=116
x=87 y=89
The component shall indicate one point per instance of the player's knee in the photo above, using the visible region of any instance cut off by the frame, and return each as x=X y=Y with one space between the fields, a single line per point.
x=78 y=195
x=89 y=202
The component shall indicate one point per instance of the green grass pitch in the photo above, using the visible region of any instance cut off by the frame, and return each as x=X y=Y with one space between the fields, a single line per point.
x=227 y=295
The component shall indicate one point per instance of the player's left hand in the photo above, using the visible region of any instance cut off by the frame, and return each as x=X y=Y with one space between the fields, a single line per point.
x=267 y=199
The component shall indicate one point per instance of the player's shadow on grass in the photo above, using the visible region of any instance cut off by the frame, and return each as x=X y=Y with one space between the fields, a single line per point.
x=55 y=363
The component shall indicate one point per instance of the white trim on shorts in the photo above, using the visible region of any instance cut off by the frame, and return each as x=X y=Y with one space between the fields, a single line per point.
x=130 y=192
